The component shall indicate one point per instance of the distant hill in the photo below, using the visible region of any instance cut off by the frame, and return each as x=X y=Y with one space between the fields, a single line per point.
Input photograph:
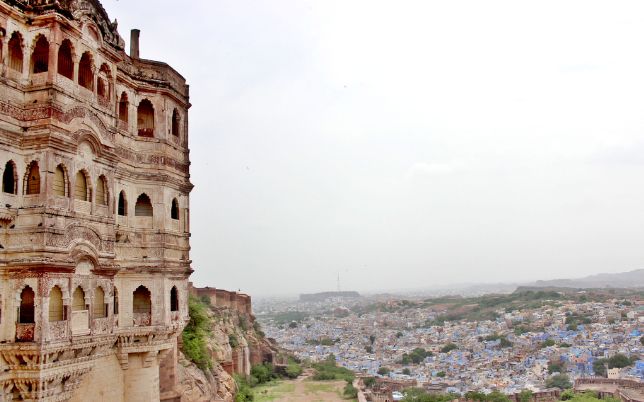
x=313 y=297
x=631 y=279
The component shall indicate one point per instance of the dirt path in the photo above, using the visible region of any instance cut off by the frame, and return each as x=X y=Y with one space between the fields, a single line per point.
x=303 y=389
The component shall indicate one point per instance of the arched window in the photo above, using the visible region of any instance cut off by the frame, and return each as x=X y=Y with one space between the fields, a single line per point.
x=78 y=300
x=101 y=191
x=85 y=73
x=174 y=209
x=174 y=299
x=32 y=179
x=100 y=308
x=176 y=120
x=103 y=85
x=9 y=179
x=56 y=304
x=81 y=192
x=40 y=56
x=143 y=206
x=116 y=301
x=60 y=181
x=145 y=118
x=141 y=301
x=15 y=52
x=65 y=62
x=123 y=107
x=26 y=313
x=122 y=207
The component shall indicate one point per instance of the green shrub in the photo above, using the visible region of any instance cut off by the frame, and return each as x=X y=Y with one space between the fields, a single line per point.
x=327 y=370
x=263 y=372
x=244 y=393
x=195 y=334
x=293 y=370
x=350 y=391
x=243 y=323
x=233 y=341
x=561 y=381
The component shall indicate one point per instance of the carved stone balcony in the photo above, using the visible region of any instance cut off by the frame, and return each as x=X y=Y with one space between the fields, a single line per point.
x=142 y=319
x=25 y=332
x=57 y=330
x=80 y=322
x=102 y=326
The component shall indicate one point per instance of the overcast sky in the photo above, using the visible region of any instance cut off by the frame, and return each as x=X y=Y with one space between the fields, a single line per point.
x=406 y=144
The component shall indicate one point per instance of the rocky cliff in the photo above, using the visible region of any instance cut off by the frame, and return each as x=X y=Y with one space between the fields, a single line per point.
x=233 y=344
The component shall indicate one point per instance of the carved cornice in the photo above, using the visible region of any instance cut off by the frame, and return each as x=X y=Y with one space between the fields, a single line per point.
x=76 y=10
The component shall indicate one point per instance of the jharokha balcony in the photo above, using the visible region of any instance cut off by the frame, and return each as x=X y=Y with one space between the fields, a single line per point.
x=25 y=332
x=142 y=319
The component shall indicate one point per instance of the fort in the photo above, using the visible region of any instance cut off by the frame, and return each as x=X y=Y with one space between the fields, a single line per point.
x=94 y=209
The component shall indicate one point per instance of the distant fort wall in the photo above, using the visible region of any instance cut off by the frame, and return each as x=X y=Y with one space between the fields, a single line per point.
x=239 y=302
x=315 y=297
x=623 y=389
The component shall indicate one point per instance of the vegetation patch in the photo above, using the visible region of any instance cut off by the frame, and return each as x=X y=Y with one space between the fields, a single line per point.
x=196 y=333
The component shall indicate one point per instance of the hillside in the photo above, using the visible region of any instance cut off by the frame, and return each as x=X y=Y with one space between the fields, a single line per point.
x=221 y=339
x=631 y=279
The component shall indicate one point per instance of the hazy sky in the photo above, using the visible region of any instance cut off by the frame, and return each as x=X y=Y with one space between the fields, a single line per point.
x=406 y=143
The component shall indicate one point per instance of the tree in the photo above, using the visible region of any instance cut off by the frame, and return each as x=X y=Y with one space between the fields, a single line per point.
x=642 y=340
x=292 y=324
x=619 y=361
x=561 y=381
x=525 y=395
x=599 y=367
x=372 y=339
x=555 y=367
x=497 y=396
x=383 y=370
x=368 y=349
x=399 y=334
x=406 y=371
x=440 y=374
x=449 y=347
x=369 y=381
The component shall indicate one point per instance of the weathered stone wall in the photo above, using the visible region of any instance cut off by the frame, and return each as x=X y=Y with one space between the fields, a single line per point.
x=104 y=383
x=239 y=302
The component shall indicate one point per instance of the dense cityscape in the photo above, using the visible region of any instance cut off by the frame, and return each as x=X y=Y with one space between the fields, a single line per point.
x=507 y=343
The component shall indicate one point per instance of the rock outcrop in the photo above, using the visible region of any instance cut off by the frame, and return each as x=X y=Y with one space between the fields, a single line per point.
x=235 y=344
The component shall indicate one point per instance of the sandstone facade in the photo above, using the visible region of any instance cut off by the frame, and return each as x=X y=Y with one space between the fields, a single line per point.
x=94 y=212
